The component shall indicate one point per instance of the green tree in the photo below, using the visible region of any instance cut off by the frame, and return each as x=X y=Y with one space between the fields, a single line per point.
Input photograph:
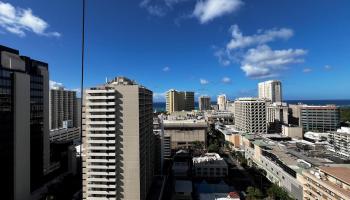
x=277 y=193
x=253 y=193
x=213 y=148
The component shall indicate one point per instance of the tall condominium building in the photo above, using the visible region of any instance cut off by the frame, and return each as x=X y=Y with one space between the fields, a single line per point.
x=117 y=141
x=179 y=100
x=221 y=101
x=270 y=90
x=318 y=118
x=250 y=115
x=24 y=123
x=62 y=107
x=204 y=103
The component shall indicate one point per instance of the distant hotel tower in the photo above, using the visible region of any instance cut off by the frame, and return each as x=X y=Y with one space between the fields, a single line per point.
x=270 y=90
x=24 y=124
x=204 y=103
x=179 y=100
x=222 y=101
x=63 y=107
x=117 y=141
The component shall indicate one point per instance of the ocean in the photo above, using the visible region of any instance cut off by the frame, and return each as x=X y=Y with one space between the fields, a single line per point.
x=160 y=106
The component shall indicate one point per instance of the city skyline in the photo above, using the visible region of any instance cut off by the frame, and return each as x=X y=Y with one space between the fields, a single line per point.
x=210 y=51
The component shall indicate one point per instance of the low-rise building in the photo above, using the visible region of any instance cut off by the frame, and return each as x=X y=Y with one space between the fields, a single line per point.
x=331 y=182
x=65 y=134
x=211 y=165
x=216 y=191
x=184 y=133
x=292 y=131
x=281 y=162
x=339 y=142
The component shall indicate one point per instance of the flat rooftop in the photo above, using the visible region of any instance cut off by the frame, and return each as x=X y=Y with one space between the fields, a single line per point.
x=341 y=173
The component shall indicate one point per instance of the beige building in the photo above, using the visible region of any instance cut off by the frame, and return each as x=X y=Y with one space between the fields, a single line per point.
x=276 y=116
x=62 y=107
x=204 y=103
x=222 y=101
x=179 y=100
x=250 y=115
x=316 y=118
x=117 y=141
x=327 y=183
x=183 y=133
x=292 y=131
x=270 y=90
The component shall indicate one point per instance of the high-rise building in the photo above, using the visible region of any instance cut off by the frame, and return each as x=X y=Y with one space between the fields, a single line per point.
x=62 y=107
x=24 y=123
x=117 y=141
x=317 y=118
x=204 y=103
x=179 y=100
x=276 y=116
x=270 y=90
x=221 y=101
x=250 y=115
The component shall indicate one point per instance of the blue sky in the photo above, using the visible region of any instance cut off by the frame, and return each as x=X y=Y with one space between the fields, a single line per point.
x=208 y=46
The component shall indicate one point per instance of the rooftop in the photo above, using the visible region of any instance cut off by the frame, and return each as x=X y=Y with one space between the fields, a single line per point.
x=341 y=173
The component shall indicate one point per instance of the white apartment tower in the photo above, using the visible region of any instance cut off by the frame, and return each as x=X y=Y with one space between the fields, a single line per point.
x=221 y=101
x=204 y=103
x=250 y=115
x=271 y=90
x=117 y=141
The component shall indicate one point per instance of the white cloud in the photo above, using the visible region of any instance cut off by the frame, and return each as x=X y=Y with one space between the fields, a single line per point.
x=263 y=62
x=54 y=84
x=328 y=67
x=307 y=70
x=207 y=10
x=222 y=56
x=203 y=81
x=166 y=69
x=159 y=96
x=226 y=80
x=256 y=58
x=240 y=41
x=19 y=21
x=159 y=8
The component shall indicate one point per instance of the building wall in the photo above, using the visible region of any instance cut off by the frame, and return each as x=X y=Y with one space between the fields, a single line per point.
x=250 y=115
x=204 y=103
x=270 y=90
x=320 y=118
x=130 y=125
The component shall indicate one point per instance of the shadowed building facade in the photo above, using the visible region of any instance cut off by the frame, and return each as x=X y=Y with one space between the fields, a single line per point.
x=24 y=124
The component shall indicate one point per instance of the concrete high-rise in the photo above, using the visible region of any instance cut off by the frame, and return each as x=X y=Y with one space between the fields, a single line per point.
x=270 y=90
x=250 y=115
x=117 y=141
x=62 y=107
x=179 y=100
x=24 y=124
x=319 y=118
x=204 y=103
x=222 y=101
